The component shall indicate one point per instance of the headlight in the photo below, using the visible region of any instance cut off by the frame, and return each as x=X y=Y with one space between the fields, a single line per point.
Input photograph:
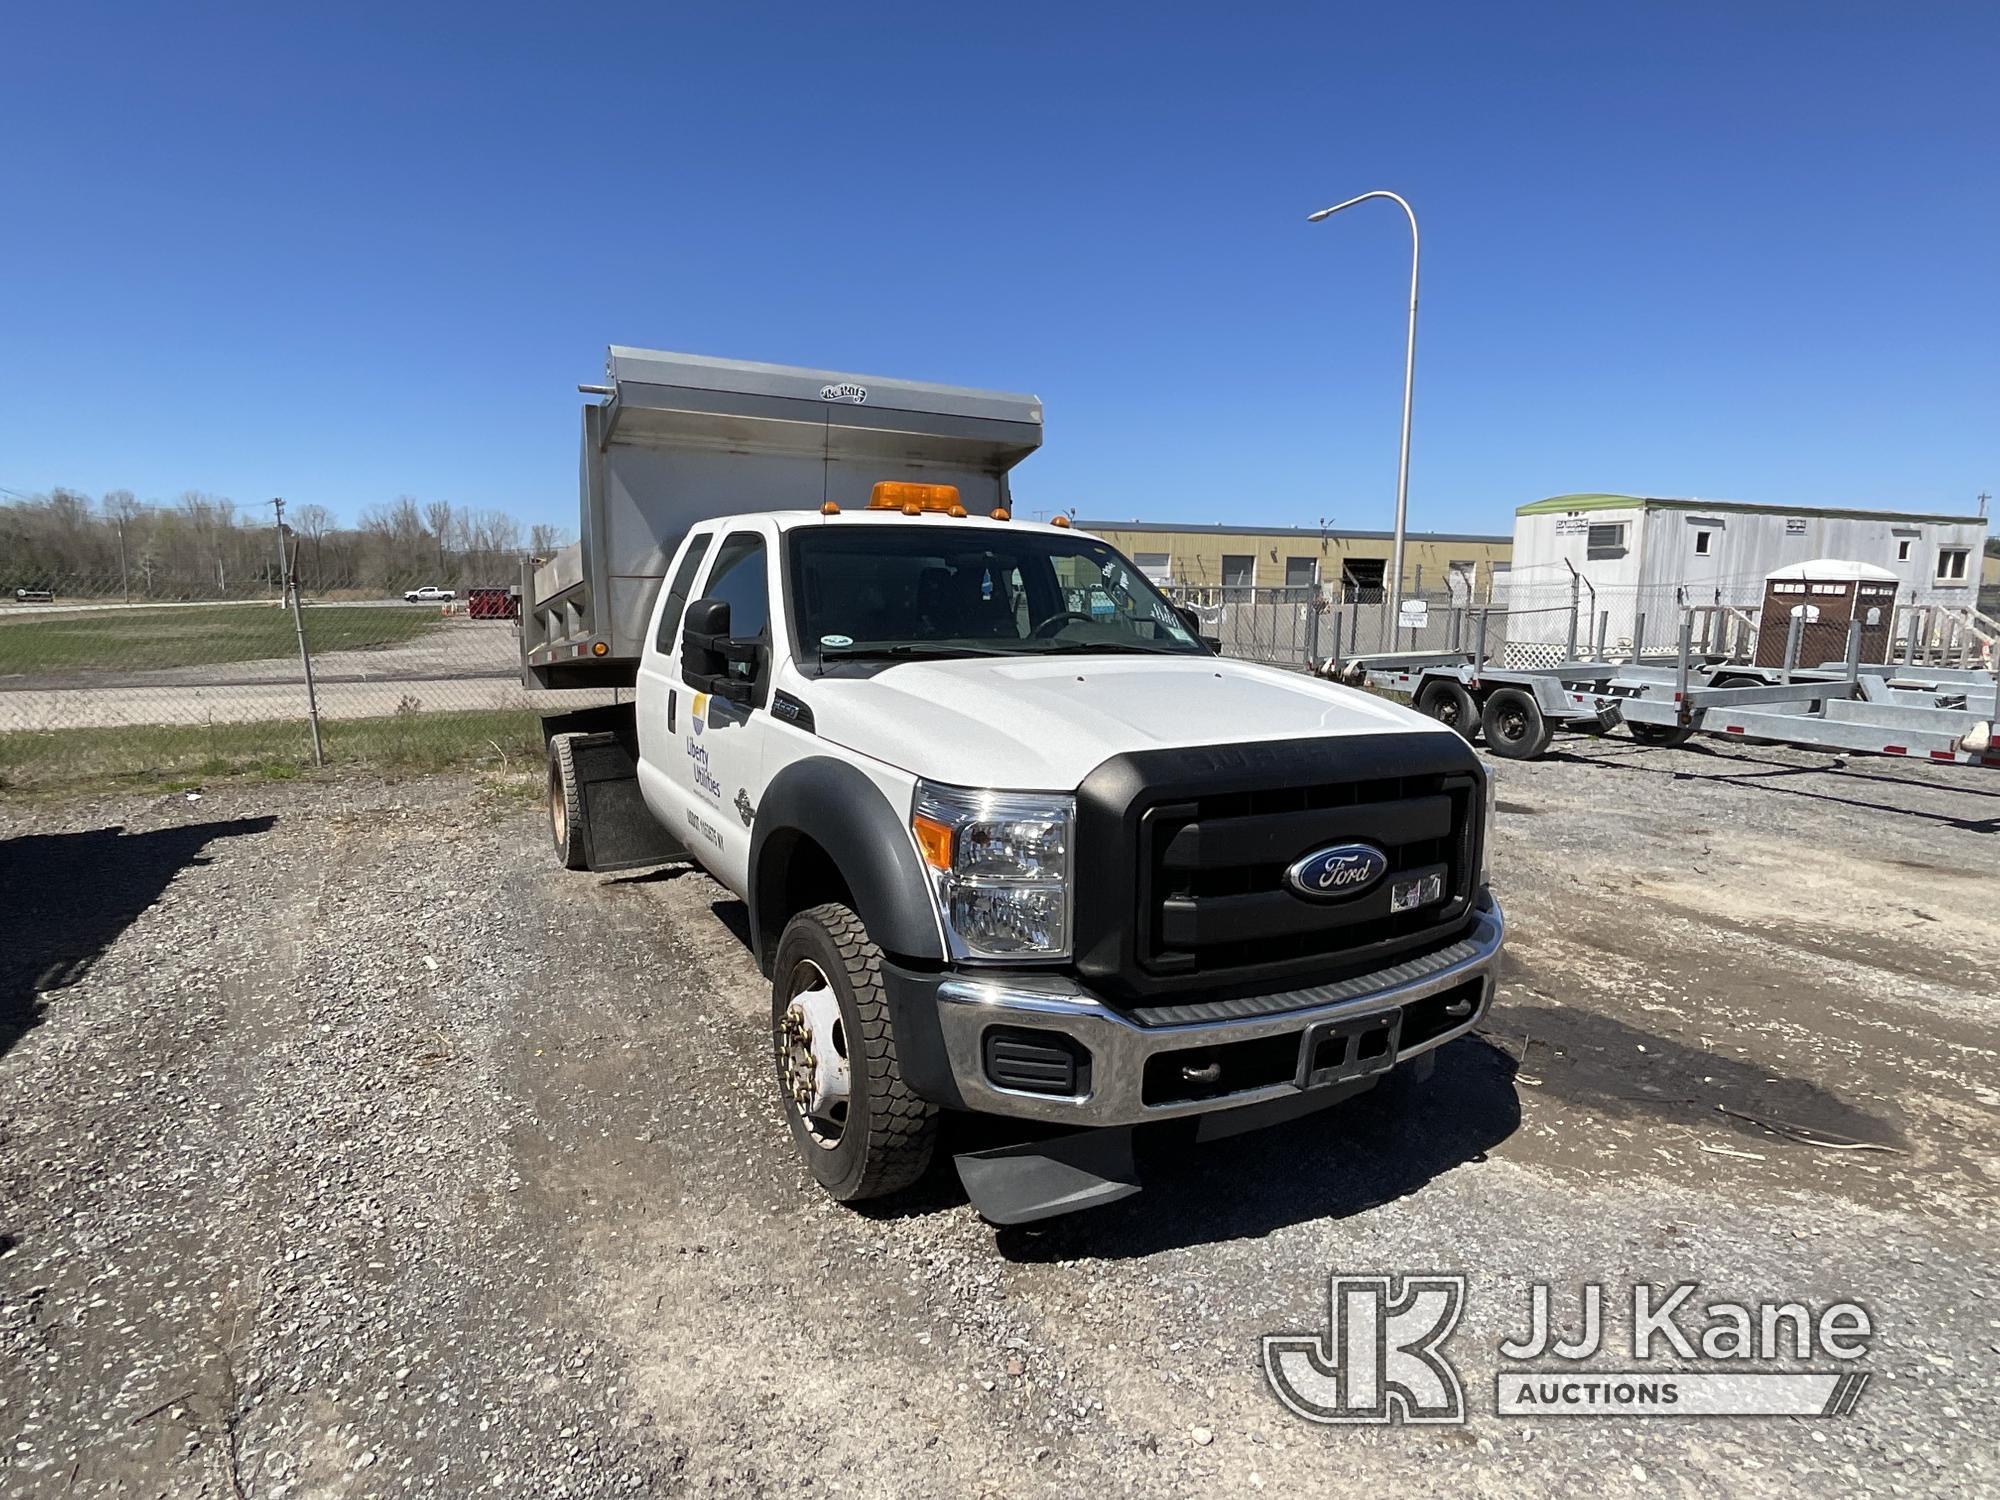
x=999 y=863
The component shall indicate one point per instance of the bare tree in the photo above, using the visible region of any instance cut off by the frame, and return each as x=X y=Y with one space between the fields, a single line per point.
x=314 y=522
x=437 y=520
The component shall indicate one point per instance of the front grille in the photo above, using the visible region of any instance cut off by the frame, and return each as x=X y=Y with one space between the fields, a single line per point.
x=1181 y=858
x=1216 y=870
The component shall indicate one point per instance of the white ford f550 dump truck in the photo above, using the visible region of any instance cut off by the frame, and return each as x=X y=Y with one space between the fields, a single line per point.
x=1011 y=839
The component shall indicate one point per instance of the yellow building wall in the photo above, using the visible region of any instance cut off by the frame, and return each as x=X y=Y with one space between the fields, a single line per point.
x=1197 y=555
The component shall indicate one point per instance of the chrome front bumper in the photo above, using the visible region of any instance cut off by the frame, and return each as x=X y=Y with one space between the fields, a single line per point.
x=1120 y=1049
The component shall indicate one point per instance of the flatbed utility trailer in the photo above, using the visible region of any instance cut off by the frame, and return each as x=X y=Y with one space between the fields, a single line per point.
x=1941 y=714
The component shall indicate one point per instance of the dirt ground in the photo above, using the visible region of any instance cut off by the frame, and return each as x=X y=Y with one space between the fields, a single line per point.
x=348 y=1147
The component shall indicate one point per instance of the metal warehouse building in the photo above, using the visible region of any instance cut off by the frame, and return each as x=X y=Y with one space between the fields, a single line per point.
x=1249 y=559
x=1637 y=559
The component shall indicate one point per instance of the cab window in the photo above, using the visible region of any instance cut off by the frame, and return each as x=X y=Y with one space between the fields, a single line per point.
x=738 y=579
x=678 y=591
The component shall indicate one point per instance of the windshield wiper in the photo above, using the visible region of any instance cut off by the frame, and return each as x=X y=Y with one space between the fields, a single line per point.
x=907 y=651
x=1105 y=648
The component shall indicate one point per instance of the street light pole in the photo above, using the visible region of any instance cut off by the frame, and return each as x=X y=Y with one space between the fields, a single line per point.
x=1409 y=381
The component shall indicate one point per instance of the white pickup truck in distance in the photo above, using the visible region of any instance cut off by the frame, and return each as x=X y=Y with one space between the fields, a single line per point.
x=428 y=594
x=1013 y=841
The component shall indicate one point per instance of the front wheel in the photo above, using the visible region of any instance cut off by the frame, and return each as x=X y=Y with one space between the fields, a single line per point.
x=1514 y=725
x=861 y=1130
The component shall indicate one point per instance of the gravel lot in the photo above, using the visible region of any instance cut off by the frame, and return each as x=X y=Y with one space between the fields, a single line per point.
x=348 y=1147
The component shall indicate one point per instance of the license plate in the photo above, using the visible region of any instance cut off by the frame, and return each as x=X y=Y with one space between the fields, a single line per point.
x=1355 y=1047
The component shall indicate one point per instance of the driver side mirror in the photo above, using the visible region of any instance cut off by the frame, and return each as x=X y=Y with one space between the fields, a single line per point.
x=1192 y=620
x=708 y=651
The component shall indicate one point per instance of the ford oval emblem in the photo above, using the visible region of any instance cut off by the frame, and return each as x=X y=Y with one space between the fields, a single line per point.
x=1337 y=873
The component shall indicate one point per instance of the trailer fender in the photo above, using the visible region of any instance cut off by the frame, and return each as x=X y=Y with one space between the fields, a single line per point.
x=825 y=802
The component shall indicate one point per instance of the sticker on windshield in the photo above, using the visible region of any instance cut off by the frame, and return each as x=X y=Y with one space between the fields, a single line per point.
x=836 y=640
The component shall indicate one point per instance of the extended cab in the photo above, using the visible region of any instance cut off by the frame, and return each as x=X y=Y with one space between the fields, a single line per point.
x=1011 y=839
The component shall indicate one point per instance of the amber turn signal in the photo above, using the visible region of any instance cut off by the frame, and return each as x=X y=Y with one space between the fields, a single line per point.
x=934 y=839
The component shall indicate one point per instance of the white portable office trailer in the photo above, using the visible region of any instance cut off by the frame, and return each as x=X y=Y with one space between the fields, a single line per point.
x=1638 y=559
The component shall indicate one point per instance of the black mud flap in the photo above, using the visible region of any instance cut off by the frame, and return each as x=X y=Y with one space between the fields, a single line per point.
x=619 y=830
x=1041 y=1179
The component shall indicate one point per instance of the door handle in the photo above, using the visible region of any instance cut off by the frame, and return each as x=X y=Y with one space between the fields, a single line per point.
x=670 y=710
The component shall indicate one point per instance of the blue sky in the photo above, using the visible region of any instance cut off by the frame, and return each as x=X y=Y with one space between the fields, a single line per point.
x=1727 y=250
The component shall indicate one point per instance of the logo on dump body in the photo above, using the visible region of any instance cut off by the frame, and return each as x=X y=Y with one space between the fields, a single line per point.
x=845 y=390
x=1337 y=873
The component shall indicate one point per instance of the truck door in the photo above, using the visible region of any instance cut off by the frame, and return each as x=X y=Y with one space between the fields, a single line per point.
x=720 y=765
x=661 y=706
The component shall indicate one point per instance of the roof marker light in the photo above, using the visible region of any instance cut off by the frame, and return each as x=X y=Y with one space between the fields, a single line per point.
x=912 y=499
x=829 y=509
x=1001 y=513
x=1059 y=520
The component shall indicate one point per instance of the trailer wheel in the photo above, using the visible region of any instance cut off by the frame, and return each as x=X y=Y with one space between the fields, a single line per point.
x=565 y=802
x=1515 y=728
x=861 y=1130
x=1666 y=735
x=1451 y=705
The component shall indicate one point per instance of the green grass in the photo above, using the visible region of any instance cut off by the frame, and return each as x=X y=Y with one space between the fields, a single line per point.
x=197 y=635
x=175 y=758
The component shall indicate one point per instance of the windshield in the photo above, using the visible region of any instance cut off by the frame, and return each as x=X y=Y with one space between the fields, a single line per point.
x=936 y=590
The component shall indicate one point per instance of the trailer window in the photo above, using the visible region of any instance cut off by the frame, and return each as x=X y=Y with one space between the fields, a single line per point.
x=1606 y=540
x=738 y=580
x=1701 y=541
x=678 y=591
x=1951 y=564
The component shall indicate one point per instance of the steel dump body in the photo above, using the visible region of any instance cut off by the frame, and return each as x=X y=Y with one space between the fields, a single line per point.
x=681 y=439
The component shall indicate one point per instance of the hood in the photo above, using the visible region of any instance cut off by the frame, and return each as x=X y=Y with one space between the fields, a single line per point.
x=1044 y=724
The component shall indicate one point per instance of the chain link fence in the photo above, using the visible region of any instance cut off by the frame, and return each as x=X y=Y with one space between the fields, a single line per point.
x=1540 y=623
x=97 y=683
x=101 y=680
x=1304 y=628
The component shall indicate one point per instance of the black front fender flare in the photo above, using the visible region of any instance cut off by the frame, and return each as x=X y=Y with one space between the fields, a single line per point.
x=837 y=807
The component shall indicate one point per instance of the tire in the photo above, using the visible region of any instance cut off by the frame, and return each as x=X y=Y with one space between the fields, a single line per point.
x=1451 y=705
x=1666 y=735
x=885 y=1141
x=1515 y=728
x=565 y=802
